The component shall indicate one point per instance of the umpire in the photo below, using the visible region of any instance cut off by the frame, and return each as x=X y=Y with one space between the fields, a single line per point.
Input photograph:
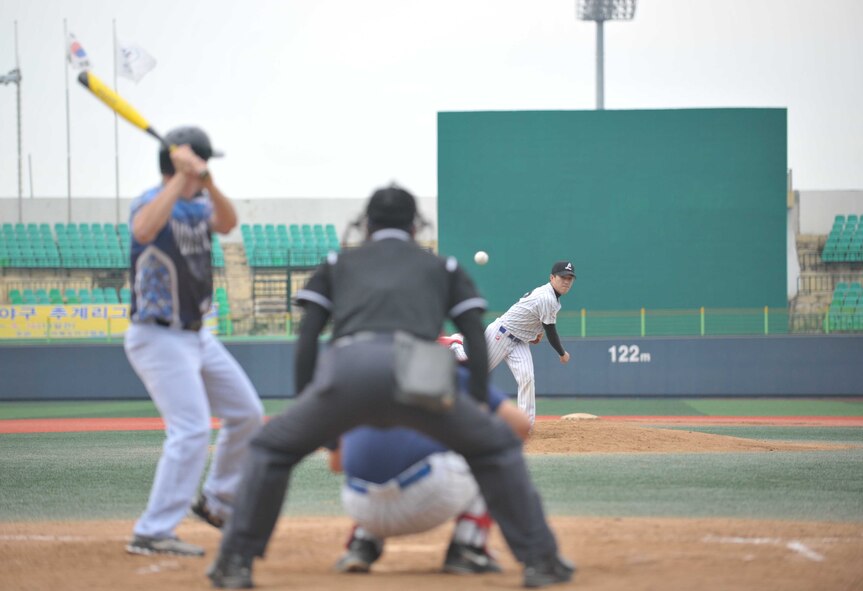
x=387 y=297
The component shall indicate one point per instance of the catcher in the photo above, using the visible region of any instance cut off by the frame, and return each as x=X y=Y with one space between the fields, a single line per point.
x=401 y=482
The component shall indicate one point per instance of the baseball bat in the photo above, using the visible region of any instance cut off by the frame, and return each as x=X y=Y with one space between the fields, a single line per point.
x=117 y=104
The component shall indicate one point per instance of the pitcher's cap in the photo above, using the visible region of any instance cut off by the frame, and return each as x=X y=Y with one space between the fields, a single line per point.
x=563 y=268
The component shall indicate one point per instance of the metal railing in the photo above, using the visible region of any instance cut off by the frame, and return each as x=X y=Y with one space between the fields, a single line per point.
x=585 y=323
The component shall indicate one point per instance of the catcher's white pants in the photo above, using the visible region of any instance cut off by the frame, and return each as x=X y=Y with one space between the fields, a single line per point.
x=389 y=509
x=517 y=355
x=190 y=375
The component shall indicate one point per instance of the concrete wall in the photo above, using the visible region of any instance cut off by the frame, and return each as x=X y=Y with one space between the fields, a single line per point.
x=819 y=208
x=732 y=366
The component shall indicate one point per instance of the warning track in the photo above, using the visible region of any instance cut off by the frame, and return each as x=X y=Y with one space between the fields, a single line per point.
x=156 y=424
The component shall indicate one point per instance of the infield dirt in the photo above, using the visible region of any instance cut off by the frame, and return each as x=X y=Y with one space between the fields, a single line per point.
x=668 y=554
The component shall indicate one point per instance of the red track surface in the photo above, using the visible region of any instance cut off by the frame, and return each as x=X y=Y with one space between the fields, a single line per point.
x=156 y=424
x=813 y=421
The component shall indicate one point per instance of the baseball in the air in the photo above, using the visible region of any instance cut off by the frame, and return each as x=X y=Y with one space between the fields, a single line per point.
x=481 y=257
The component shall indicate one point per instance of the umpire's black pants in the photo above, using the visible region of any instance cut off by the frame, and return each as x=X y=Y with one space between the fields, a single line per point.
x=353 y=385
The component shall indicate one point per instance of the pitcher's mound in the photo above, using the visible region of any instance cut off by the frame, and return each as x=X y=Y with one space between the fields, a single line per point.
x=598 y=436
x=579 y=416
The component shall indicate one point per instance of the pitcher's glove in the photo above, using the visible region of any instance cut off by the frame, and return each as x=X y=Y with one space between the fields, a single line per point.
x=537 y=340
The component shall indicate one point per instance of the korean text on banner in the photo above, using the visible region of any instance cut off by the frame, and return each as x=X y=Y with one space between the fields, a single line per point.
x=63 y=322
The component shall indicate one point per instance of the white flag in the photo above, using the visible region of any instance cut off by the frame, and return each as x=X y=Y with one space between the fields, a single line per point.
x=133 y=62
x=76 y=54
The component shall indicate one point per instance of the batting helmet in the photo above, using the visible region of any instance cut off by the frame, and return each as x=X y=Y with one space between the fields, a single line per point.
x=195 y=137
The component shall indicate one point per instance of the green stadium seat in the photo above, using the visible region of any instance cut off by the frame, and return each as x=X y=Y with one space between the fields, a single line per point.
x=125 y=295
x=15 y=296
x=111 y=296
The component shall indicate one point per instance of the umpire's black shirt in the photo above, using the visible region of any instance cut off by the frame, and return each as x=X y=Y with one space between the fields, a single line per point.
x=391 y=284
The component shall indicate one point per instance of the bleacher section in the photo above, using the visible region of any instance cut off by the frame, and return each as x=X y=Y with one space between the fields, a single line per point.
x=845 y=241
x=82 y=263
x=72 y=246
x=28 y=246
x=846 y=307
x=294 y=245
x=92 y=246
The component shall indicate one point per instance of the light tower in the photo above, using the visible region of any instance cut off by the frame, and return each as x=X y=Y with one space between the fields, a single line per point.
x=601 y=11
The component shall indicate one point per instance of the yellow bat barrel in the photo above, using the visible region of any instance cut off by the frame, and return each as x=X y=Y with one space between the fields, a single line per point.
x=115 y=102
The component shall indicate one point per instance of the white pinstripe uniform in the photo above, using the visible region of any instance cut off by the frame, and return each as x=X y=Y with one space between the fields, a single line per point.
x=508 y=336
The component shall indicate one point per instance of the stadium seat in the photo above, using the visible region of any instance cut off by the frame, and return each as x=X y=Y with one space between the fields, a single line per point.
x=111 y=295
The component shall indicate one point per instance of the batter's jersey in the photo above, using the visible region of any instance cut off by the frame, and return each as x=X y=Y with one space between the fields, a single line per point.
x=379 y=455
x=172 y=276
x=525 y=318
x=391 y=284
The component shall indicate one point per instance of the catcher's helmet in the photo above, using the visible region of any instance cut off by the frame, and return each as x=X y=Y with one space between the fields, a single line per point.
x=195 y=137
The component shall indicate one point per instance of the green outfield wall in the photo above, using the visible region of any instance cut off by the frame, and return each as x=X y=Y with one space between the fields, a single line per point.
x=661 y=209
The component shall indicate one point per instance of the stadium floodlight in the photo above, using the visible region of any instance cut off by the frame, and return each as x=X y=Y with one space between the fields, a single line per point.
x=600 y=11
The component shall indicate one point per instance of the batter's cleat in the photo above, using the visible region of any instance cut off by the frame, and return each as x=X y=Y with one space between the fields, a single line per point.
x=231 y=571
x=359 y=558
x=462 y=559
x=202 y=511
x=549 y=571
x=172 y=546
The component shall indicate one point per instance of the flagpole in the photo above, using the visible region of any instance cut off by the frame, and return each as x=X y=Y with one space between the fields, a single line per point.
x=18 y=109
x=18 y=98
x=116 y=132
x=68 y=133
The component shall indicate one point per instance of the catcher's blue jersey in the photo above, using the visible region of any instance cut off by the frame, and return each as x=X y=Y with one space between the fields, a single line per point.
x=378 y=455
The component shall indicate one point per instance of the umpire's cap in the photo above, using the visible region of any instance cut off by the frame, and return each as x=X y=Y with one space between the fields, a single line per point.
x=195 y=137
x=392 y=207
x=563 y=268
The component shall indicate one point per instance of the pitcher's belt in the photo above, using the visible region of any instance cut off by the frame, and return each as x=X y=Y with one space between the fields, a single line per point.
x=508 y=334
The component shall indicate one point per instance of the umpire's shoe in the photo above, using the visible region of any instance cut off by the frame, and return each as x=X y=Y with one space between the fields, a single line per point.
x=360 y=556
x=548 y=571
x=462 y=559
x=172 y=546
x=231 y=571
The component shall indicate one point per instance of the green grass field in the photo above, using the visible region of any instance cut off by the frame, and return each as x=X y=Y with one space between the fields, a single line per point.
x=49 y=476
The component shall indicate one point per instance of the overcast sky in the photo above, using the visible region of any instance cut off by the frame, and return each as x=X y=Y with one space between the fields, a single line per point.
x=331 y=98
